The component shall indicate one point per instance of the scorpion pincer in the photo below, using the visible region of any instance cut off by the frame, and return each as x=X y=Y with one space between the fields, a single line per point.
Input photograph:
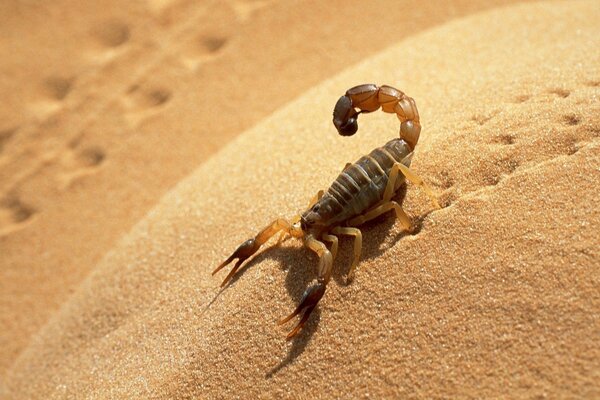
x=363 y=191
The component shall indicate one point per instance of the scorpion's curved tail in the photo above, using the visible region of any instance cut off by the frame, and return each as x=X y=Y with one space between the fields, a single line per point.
x=368 y=98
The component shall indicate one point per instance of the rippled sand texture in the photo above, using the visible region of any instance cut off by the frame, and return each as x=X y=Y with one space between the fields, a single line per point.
x=495 y=295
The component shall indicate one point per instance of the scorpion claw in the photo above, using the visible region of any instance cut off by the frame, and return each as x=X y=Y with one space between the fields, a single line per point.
x=309 y=301
x=245 y=250
x=300 y=324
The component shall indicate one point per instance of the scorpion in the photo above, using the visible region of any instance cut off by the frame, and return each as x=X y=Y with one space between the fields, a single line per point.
x=362 y=191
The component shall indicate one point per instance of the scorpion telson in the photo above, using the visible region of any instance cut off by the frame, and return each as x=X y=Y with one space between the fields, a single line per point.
x=363 y=191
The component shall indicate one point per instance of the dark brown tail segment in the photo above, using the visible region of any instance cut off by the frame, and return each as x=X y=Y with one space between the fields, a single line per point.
x=369 y=97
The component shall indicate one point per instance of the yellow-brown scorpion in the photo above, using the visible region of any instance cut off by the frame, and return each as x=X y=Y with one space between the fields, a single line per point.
x=363 y=191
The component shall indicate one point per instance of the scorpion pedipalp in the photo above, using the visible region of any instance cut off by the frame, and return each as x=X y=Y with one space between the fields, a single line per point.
x=251 y=246
x=309 y=301
x=242 y=253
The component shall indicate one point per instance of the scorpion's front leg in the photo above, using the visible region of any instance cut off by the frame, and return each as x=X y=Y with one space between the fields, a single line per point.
x=251 y=246
x=313 y=294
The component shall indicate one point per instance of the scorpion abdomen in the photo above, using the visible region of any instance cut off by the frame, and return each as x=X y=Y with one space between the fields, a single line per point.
x=361 y=185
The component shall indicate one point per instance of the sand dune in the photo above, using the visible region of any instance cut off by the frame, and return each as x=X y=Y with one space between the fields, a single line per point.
x=495 y=295
x=107 y=106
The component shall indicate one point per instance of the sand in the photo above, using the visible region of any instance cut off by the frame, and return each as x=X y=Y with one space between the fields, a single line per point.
x=496 y=295
x=106 y=107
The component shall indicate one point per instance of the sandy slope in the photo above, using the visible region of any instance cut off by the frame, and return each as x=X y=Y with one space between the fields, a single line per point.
x=495 y=295
x=107 y=105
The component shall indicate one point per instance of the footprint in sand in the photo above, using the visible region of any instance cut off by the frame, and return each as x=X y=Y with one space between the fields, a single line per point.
x=521 y=98
x=78 y=162
x=570 y=119
x=112 y=33
x=107 y=40
x=5 y=136
x=499 y=170
x=483 y=118
x=144 y=99
x=504 y=139
x=560 y=92
x=57 y=87
x=14 y=213
x=202 y=48
x=52 y=91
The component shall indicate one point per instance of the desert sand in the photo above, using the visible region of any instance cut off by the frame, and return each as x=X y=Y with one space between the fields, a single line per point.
x=495 y=295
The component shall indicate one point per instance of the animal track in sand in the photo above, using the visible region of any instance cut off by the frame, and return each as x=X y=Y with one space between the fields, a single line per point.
x=80 y=161
x=90 y=156
x=498 y=170
x=14 y=213
x=112 y=33
x=570 y=145
x=505 y=138
x=58 y=87
x=522 y=98
x=444 y=180
x=571 y=119
x=482 y=119
x=142 y=97
x=5 y=135
x=560 y=92
x=202 y=48
x=212 y=43
x=569 y=132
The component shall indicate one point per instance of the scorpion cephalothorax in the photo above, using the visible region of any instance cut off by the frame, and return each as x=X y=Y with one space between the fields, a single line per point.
x=363 y=191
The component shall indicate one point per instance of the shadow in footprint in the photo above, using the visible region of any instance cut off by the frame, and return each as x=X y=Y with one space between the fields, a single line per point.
x=14 y=212
x=571 y=119
x=91 y=156
x=148 y=96
x=203 y=48
x=211 y=44
x=504 y=138
x=5 y=136
x=58 y=87
x=522 y=98
x=112 y=33
x=560 y=92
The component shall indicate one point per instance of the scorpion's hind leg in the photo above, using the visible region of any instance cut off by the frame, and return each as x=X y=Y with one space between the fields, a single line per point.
x=313 y=294
x=251 y=246
x=415 y=179
x=383 y=208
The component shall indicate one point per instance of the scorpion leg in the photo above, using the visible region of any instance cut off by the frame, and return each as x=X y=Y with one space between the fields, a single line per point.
x=357 y=247
x=415 y=179
x=383 y=208
x=313 y=294
x=334 y=244
x=251 y=246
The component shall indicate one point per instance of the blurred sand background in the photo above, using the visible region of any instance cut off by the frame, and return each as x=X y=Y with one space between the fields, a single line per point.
x=226 y=106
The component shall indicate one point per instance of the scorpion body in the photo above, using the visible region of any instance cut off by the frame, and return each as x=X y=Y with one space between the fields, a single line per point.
x=363 y=191
x=362 y=184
